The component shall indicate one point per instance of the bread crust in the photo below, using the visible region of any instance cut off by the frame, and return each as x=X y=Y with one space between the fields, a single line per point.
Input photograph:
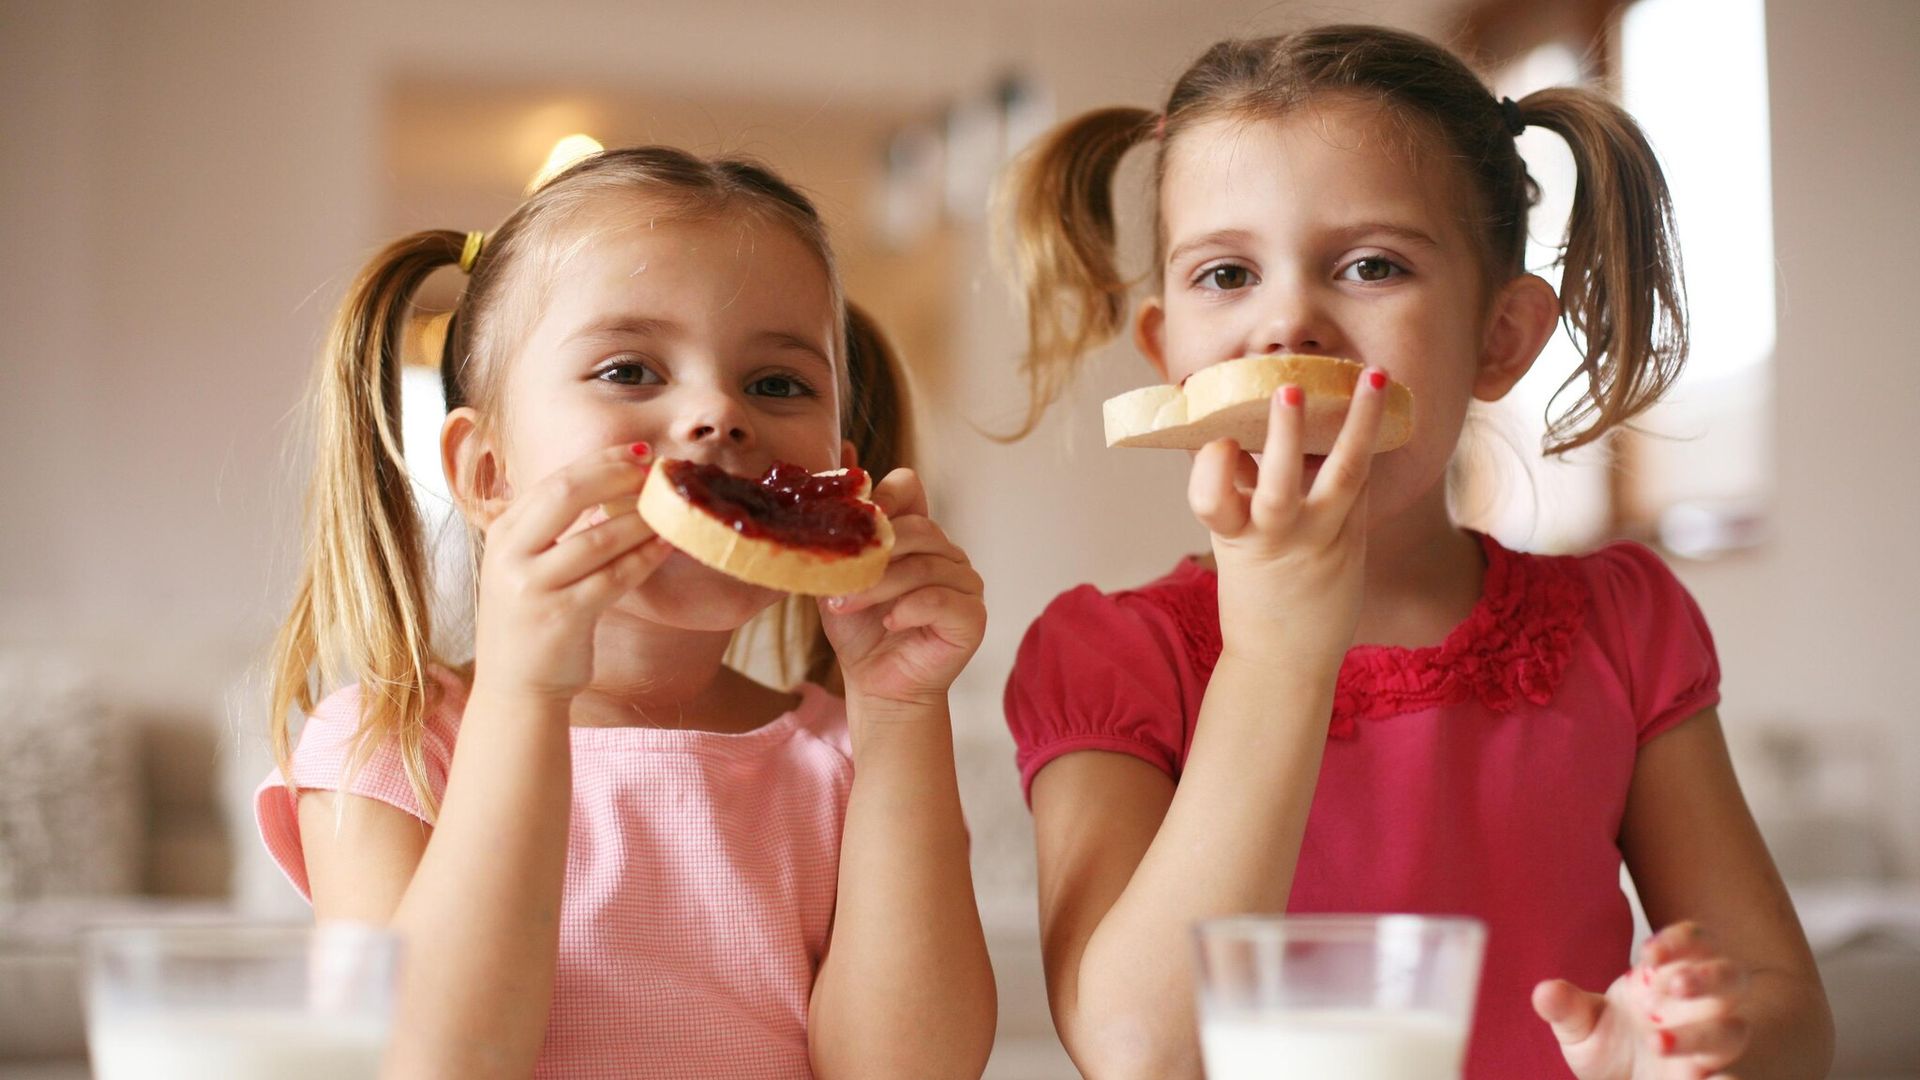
x=1230 y=400
x=759 y=560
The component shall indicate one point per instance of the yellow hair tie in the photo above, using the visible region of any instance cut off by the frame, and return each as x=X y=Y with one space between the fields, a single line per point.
x=470 y=254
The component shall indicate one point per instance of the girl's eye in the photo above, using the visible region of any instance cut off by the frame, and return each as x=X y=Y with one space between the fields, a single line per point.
x=779 y=386
x=1225 y=278
x=628 y=373
x=1372 y=268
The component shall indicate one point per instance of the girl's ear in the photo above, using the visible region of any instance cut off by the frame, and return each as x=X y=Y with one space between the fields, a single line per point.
x=476 y=473
x=1149 y=333
x=1519 y=323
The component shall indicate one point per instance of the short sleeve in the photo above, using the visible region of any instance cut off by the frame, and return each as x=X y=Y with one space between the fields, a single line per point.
x=1096 y=673
x=1656 y=636
x=320 y=762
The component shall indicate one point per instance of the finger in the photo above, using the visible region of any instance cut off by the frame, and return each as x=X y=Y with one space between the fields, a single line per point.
x=1680 y=941
x=1711 y=1046
x=906 y=575
x=1700 y=978
x=536 y=521
x=901 y=493
x=1570 y=1011
x=1680 y=1012
x=1210 y=490
x=1350 y=461
x=1276 y=496
x=620 y=576
x=949 y=614
x=914 y=534
x=589 y=550
x=1246 y=474
x=917 y=534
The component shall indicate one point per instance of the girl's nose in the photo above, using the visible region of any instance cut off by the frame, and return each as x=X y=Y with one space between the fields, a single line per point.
x=1298 y=329
x=716 y=418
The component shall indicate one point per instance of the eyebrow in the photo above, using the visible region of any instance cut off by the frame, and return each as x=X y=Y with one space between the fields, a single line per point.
x=1225 y=237
x=636 y=326
x=1386 y=228
x=781 y=339
x=1344 y=234
x=626 y=326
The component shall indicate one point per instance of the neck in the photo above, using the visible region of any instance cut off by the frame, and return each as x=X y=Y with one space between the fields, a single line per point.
x=649 y=675
x=1423 y=576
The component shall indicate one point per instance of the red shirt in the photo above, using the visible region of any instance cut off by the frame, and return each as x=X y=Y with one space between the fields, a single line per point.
x=1483 y=776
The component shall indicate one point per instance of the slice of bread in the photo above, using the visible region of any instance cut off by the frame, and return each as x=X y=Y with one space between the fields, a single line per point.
x=1229 y=401
x=762 y=559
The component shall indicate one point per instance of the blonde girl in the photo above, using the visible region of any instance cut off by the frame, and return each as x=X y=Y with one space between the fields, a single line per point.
x=608 y=853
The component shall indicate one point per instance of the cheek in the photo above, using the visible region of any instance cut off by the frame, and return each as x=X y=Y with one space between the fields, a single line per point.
x=811 y=440
x=1198 y=334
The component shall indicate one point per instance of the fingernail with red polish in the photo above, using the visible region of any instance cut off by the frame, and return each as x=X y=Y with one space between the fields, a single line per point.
x=640 y=449
x=1377 y=380
x=1666 y=1041
x=1293 y=396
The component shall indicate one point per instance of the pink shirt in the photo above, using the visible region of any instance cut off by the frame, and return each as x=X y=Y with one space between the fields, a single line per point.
x=1484 y=776
x=701 y=872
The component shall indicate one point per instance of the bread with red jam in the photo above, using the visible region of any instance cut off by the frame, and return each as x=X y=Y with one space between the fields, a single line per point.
x=1229 y=401
x=816 y=534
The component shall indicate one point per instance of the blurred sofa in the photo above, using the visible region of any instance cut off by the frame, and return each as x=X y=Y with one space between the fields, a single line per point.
x=107 y=814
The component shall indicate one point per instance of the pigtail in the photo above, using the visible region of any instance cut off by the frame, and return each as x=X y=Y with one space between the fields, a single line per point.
x=879 y=423
x=1622 y=286
x=879 y=419
x=1062 y=217
x=362 y=606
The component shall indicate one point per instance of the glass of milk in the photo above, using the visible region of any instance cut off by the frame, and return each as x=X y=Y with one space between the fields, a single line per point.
x=1357 y=997
x=240 y=1002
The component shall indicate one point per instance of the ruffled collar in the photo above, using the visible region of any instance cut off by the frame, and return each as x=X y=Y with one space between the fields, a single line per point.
x=1512 y=648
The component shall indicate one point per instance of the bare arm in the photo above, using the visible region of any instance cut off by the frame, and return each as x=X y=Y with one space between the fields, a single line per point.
x=1128 y=863
x=1118 y=918
x=1727 y=986
x=906 y=988
x=476 y=900
x=477 y=904
x=1697 y=858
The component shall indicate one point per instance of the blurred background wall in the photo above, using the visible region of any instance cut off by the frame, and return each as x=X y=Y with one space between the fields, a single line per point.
x=187 y=188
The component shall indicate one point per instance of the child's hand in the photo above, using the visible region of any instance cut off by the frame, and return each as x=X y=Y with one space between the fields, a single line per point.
x=907 y=638
x=547 y=575
x=1290 y=561
x=1678 y=1015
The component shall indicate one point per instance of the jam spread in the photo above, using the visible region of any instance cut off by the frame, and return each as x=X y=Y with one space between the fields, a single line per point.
x=788 y=505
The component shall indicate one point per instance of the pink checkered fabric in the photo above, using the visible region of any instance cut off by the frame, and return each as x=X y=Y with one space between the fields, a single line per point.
x=701 y=871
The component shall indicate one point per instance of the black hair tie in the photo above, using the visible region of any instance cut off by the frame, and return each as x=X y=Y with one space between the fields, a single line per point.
x=1510 y=112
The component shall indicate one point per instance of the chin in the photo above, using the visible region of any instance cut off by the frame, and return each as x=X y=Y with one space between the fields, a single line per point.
x=688 y=596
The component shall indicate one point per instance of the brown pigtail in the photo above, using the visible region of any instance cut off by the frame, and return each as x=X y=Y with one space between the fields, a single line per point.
x=363 y=602
x=879 y=423
x=1061 y=196
x=1622 y=285
x=879 y=420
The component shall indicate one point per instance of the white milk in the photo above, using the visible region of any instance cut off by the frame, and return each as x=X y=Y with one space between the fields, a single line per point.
x=1332 y=1044
x=235 y=1045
